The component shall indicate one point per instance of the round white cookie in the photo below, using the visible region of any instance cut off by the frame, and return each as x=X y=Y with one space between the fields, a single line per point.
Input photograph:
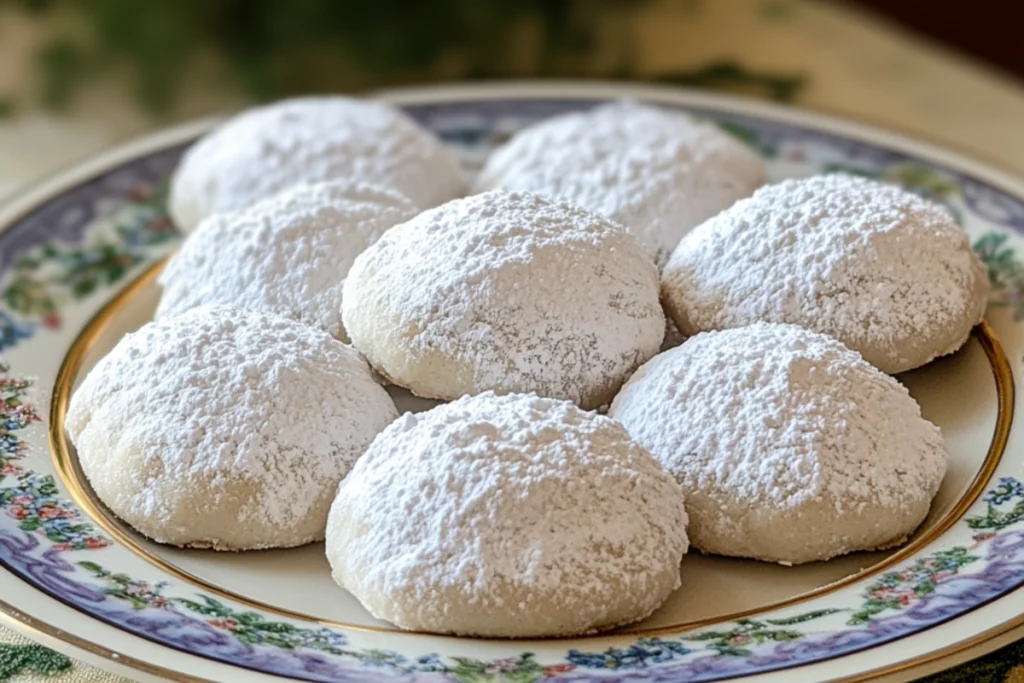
x=658 y=172
x=887 y=273
x=507 y=516
x=288 y=255
x=225 y=428
x=507 y=292
x=268 y=149
x=789 y=446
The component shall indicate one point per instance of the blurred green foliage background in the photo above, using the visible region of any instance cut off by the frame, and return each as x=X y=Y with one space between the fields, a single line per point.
x=275 y=48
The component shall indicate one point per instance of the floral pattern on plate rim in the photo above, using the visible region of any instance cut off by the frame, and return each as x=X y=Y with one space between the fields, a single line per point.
x=43 y=532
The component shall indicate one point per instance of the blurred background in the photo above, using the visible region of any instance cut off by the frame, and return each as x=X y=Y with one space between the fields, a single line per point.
x=79 y=75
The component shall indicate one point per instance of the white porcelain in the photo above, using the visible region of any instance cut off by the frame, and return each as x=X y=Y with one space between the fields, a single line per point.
x=78 y=257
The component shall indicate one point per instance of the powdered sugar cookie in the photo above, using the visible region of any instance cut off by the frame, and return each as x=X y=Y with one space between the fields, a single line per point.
x=507 y=292
x=286 y=255
x=658 y=172
x=889 y=274
x=268 y=149
x=789 y=446
x=225 y=428
x=507 y=516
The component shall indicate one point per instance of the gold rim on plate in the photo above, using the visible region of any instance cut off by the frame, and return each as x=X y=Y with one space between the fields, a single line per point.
x=79 y=489
x=43 y=192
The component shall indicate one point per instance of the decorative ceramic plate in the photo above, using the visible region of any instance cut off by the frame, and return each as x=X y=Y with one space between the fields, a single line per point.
x=78 y=259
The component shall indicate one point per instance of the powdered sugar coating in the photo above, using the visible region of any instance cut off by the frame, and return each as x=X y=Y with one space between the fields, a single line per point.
x=658 y=172
x=288 y=255
x=789 y=446
x=889 y=274
x=268 y=149
x=507 y=292
x=225 y=428
x=507 y=516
